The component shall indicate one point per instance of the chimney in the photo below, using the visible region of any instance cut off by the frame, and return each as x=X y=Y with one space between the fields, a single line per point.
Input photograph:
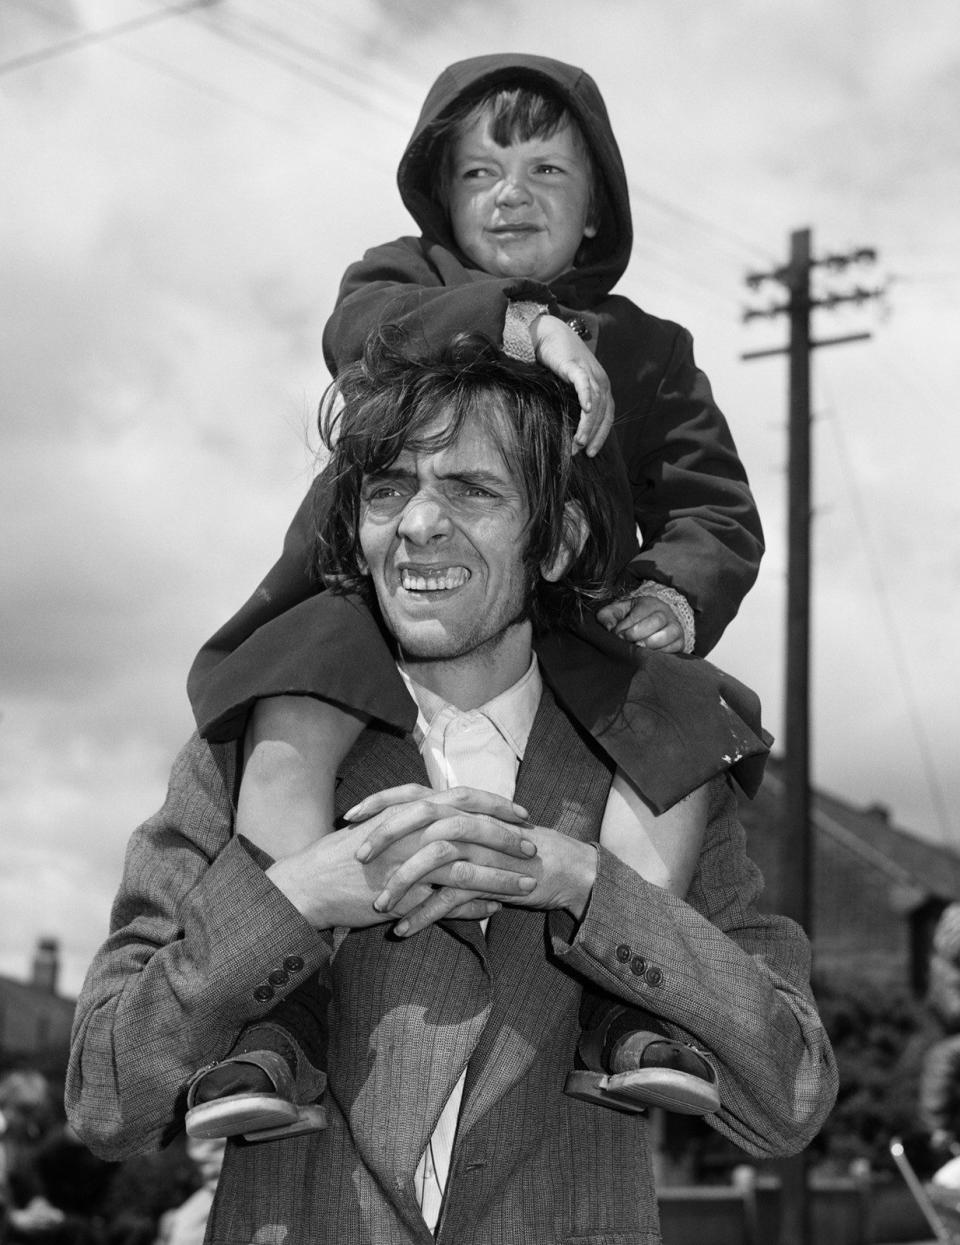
x=46 y=965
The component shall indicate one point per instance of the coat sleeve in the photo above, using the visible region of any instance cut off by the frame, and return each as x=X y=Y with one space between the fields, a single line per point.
x=723 y=974
x=423 y=289
x=196 y=931
x=692 y=502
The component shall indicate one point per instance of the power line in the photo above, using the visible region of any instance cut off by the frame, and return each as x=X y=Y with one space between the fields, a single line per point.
x=174 y=73
x=304 y=72
x=90 y=37
x=742 y=245
x=934 y=786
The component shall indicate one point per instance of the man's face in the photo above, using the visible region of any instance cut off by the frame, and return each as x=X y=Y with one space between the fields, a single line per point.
x=522 y=210
x=442 y=535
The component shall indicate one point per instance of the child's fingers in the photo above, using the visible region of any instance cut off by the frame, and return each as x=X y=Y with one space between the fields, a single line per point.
x=613 y=611
x=645 y=621
x=602 y=425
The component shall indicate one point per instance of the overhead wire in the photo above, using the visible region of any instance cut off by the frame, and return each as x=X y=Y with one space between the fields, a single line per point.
x=895 y=641
x=175 y=73
x=104 y=34
x=306 y=73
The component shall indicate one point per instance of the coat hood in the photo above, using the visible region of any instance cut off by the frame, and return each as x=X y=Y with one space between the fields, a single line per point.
x=605 y=257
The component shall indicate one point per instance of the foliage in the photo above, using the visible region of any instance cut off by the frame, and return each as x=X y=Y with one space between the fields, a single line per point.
x=879 y=1035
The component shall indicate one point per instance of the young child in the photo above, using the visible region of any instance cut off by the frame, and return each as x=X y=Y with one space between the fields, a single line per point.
x=514 y=176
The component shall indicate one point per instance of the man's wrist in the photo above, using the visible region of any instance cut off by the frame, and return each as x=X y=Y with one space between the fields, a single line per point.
x=585 y=877
x=289 y=879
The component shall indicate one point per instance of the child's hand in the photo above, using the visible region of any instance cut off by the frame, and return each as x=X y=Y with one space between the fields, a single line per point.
x=559 y=348
x=645 y=621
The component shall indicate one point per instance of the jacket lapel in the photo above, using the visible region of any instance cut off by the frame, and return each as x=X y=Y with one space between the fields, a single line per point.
x=564 y=786
x=413 y=1010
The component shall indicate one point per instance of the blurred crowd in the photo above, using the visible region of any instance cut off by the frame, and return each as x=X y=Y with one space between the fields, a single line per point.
x=53 y=1191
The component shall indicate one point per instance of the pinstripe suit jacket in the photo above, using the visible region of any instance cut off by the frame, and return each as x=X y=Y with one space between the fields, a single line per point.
x=198 y=929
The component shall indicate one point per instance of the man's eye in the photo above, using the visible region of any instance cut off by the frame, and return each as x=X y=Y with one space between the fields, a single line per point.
x=380 y=492
x=475 y=490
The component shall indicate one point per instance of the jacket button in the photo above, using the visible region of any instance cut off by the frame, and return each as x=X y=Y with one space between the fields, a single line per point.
x=278 y=977
x=623 y=953
x=637 y=965
x=293 y=963
x=654 y=976
x=263 y=993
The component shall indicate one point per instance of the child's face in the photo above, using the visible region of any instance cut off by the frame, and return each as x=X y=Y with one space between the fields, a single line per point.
x=522 y=210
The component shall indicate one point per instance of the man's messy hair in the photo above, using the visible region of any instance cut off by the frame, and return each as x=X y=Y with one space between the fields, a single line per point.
x=390 y=401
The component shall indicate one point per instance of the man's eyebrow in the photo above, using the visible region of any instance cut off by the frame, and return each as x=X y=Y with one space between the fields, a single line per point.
x=388 y=473
x=466 y=475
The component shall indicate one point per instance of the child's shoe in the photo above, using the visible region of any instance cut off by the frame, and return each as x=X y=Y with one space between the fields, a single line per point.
x=632 y=1064
x=252 y=1092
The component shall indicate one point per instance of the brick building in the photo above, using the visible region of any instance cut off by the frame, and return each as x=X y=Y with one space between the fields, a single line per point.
x=35 y=1019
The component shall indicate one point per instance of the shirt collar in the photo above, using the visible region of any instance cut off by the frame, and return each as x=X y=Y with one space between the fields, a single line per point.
x=511 y=713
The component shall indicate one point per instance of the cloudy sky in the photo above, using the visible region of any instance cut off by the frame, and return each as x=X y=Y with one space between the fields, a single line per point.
x=181 y=192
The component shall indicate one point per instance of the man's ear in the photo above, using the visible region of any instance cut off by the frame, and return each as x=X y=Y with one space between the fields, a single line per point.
x=575 y=533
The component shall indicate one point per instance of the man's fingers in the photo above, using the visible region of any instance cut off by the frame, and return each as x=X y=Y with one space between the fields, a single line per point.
x=483 y=874
x=445 y=902
x=383 y=799
x=470 y=799
x=453 y=818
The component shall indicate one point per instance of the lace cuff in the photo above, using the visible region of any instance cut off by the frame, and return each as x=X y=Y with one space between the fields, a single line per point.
x=517 y=343
x=677 y=602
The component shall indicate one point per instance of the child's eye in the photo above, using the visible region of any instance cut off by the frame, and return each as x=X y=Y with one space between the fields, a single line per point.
x=476 y=173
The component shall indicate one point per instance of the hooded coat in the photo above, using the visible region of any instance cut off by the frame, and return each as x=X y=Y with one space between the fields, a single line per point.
x=671 y=464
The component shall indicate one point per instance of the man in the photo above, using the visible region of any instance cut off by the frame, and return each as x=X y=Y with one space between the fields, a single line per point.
x=457 y=506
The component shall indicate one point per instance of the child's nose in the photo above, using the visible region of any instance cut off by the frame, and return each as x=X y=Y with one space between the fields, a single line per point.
x=423 y=519
x=513 y=191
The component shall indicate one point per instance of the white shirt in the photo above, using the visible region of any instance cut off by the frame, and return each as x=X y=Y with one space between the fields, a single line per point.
x=482 y=748
x=479 y=748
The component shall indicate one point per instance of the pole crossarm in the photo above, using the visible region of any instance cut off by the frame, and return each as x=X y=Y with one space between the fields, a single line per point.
x=795 y=277
x=814 y=345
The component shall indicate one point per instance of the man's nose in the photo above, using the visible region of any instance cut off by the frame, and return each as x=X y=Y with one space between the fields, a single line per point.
x=424 y=519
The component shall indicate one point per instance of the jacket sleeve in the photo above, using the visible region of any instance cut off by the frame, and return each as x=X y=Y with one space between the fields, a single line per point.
x=720 y=973
x=196 y=931
x=700 y=527
x=425 y=290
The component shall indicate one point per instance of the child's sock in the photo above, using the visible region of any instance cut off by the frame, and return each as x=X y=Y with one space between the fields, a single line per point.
x=268 y=1084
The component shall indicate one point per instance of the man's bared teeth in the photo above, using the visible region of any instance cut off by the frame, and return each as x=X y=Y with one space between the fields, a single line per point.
x=434 y=581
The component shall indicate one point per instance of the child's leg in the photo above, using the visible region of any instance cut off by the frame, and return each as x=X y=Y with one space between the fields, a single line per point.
x=663 y=849
x=293 y=747
x=632 y=1060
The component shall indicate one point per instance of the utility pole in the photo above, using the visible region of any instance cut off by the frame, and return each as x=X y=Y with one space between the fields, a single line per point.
x=795 y=901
